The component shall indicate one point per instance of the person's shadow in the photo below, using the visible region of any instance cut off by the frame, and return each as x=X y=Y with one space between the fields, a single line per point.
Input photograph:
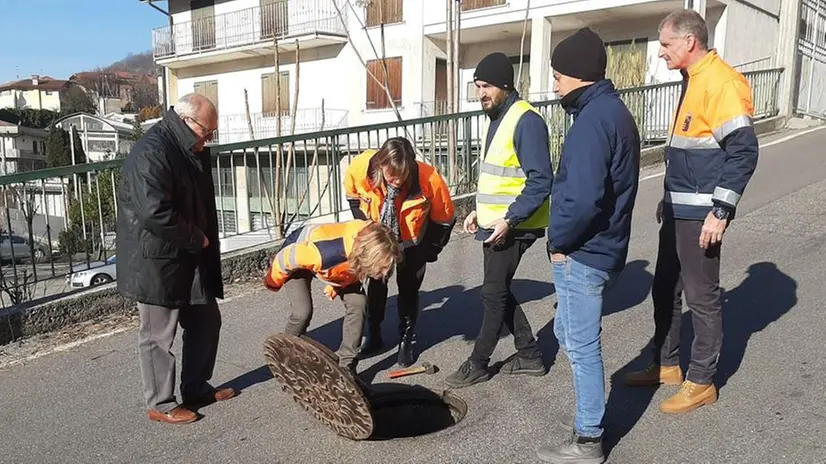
x=458 y=312
x=763 y=297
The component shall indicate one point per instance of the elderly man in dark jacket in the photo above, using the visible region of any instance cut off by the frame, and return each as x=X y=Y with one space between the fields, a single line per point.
x=591 y=203
x=169 y=257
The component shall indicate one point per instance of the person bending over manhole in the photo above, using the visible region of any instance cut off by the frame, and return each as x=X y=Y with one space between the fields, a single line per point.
x=411 y=197
x=342 y=255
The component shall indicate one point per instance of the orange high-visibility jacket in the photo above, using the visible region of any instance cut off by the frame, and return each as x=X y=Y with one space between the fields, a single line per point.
x=425 y=209
x=711 y=152
x=318 y=248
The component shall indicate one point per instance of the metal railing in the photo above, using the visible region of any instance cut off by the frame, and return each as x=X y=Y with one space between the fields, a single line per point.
x=66 y=216
x=250 y=26
x=234 y=128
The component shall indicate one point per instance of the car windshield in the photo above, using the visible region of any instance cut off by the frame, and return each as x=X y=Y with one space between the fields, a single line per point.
x=111 y=260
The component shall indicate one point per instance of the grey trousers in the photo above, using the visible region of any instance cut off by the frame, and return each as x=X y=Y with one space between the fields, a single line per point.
x=355 y=304
x=201 y=326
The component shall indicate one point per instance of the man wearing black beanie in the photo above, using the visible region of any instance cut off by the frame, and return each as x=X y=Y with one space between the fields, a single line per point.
x=591 y=203
x=512 y=209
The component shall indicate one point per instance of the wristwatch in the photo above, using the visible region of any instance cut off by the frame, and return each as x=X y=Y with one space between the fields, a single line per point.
x=720 y=212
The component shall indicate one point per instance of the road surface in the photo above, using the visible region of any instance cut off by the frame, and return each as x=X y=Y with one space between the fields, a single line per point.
x=83 y=404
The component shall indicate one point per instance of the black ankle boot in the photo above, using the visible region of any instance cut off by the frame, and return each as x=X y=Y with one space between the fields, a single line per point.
x=372 y=341
x=406 y=330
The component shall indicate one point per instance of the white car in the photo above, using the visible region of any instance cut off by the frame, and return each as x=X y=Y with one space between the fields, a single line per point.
x=96 y=273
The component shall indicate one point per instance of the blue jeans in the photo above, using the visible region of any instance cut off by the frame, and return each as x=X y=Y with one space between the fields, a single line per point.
x=577 y=326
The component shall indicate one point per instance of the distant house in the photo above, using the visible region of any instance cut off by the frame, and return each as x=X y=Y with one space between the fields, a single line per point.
x=21 y=148
x=102 y=138
x=38 y=92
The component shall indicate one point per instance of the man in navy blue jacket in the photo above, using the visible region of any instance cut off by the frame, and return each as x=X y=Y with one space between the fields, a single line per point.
x=591 y=203
x=511 y=214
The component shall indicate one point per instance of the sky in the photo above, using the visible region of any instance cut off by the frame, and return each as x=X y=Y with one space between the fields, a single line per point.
x=58 y=38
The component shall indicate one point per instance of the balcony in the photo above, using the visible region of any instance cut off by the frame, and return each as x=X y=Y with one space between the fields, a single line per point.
x=242 y=33
x=234 y=128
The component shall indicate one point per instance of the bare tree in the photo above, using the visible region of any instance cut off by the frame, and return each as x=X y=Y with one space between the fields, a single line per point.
x=381 y=83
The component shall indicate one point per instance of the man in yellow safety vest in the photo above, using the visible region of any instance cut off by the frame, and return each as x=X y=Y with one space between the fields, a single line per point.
x=512 y=210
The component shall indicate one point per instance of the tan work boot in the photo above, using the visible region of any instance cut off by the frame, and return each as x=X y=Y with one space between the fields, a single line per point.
x=690 y=397
x=655 y=374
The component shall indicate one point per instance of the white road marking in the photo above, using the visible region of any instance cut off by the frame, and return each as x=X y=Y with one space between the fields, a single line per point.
x=765 y=145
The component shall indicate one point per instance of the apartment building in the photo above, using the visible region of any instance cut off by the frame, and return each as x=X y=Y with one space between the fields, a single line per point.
x=225 y=50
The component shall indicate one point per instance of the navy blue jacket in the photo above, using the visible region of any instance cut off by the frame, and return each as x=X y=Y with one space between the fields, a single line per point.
x=596 y=183
x=534 y=155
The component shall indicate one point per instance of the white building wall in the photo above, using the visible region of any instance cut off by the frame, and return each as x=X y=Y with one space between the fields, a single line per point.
x=750 y=35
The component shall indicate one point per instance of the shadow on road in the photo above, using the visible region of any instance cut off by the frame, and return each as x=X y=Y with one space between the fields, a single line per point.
x=632 y=288
x=459 y=314
x=763 y=297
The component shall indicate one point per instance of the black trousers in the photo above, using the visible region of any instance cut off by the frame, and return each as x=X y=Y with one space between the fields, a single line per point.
x=500 y=306
x=409 y=278
x=682 y=266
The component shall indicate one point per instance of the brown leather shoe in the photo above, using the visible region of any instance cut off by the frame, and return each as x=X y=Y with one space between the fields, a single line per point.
x=221 y=394
x=179 y=415
x=690 y=397
x=655 y=374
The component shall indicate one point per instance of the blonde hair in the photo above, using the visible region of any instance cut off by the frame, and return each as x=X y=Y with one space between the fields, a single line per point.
x=396 y=153
x=375 y=252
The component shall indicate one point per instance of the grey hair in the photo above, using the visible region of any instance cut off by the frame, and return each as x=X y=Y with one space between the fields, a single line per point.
x=190 y=104
x=685 y=23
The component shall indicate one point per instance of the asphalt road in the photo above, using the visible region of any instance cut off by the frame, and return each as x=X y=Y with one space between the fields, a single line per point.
x=84 y=404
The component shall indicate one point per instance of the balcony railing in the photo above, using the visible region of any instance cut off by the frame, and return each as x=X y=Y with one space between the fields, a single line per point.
x=234 y=128
x=299 y=177
x=250 y=26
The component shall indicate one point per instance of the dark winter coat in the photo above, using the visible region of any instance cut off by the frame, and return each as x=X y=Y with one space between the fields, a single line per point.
x=595 y=187
x=166 y=205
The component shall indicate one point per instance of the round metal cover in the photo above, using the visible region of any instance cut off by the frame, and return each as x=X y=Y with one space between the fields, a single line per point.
x=309 y=372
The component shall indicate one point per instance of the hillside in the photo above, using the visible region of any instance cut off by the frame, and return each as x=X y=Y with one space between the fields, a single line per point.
x=140 y=63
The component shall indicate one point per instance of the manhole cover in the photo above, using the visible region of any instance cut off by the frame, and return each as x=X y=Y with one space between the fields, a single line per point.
x=309 y=372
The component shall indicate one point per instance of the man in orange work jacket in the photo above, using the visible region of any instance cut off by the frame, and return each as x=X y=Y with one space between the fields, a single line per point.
x=710 y=156
x=411 y=197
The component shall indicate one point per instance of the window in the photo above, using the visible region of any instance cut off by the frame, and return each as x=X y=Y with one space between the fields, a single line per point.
x=269 y=91
x=208 y=89
x=468 y=5
x=384 y=12
x=376 y=96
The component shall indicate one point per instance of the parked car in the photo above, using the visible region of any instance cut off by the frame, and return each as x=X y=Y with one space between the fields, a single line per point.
x=20 y=247
x=96 y=273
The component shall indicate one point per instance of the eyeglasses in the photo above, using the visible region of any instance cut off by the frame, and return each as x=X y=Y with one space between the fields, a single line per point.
x=208 y=132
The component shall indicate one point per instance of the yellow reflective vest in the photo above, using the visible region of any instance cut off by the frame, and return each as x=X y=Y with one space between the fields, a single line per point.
x=501 y=178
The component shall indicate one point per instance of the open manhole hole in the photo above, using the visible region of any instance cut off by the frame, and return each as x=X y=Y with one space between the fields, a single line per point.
x=309 y=372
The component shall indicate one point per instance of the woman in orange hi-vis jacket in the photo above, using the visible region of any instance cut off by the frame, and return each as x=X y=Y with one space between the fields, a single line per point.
x=391 y=187
x=342 y=255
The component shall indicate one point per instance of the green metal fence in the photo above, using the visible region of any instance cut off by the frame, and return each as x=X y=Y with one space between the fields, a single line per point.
x=58 y=224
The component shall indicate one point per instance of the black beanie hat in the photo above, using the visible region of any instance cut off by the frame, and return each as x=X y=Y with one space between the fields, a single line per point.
x=495 y=69
x=581 y=55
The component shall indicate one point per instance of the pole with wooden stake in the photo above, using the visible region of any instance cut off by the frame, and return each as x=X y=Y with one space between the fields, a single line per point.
x=522 y=49
x=261 y=180
x=452 y=85
x=457 y=30
x=291 y=149
x=277 y=187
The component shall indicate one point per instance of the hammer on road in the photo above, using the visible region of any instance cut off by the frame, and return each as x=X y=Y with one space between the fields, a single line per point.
x=426 y=367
